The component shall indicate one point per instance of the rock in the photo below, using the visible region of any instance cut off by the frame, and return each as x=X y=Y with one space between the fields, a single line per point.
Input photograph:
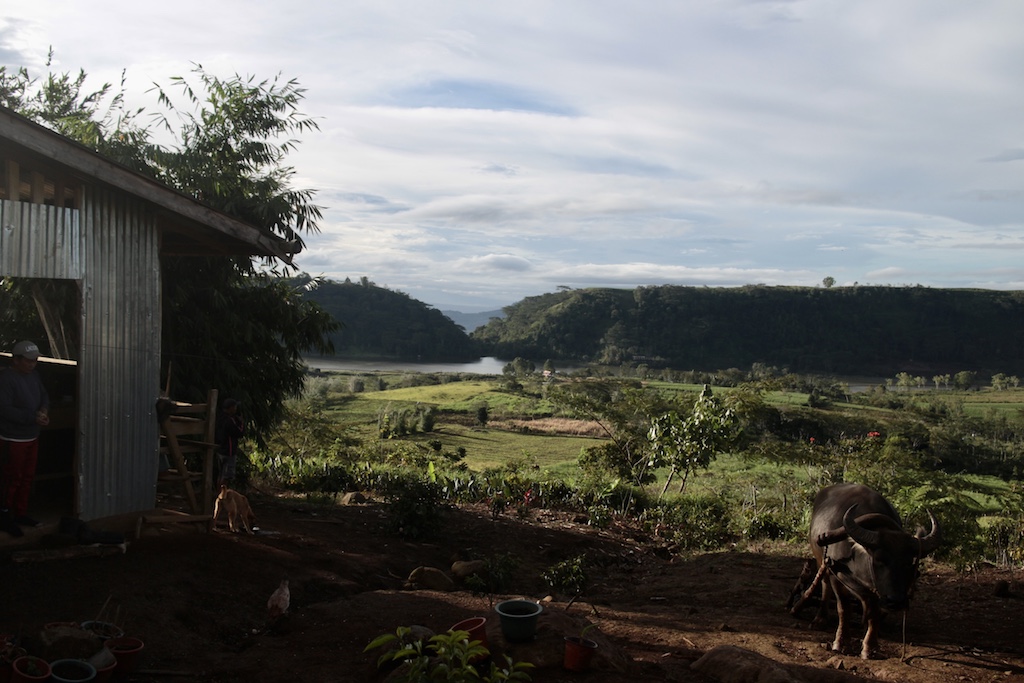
x=429 y=578
x=462 y=570
x=836 y=663
x=354 y=498
x=730 y=664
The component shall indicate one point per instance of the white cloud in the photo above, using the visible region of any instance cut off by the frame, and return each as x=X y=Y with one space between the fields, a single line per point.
x=474 y=153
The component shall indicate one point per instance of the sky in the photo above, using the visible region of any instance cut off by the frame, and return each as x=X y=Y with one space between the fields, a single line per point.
x=471 y=153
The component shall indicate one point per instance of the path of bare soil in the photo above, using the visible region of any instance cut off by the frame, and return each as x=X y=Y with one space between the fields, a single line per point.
x=198 y=600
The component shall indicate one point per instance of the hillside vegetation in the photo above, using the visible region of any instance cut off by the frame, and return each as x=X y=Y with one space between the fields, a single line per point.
x=702 y=466
x=843 y=330
x=377 y=322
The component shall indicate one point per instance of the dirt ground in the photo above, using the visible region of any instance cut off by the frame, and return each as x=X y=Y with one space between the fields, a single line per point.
x=198 y=600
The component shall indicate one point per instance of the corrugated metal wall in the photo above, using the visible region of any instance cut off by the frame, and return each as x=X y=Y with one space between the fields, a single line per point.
x=112 y=247
x=39 y=241
x=119 y=370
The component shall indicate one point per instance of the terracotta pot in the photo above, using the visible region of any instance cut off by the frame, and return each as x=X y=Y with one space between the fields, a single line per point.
x=578 y=653
x=477 y=629
x=106 y=673
x=518 y=619
x=128 y=651
x=8 y=653
x=29 y=668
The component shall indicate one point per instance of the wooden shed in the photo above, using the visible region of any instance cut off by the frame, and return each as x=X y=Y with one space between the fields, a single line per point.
x=68 y=214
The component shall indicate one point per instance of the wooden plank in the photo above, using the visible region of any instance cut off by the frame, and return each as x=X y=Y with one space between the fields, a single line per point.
x=191 y=476
x=176 y=519
x=69 y=552
x=178 y=460
x=196 y=442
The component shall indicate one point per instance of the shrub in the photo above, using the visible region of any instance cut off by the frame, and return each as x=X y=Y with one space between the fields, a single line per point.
x=568 y=576
x=415 y=510
x=1004 y=540
x=771 y=525
x=701 y=522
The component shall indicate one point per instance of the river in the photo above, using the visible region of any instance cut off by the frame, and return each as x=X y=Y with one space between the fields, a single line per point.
x=483 y=366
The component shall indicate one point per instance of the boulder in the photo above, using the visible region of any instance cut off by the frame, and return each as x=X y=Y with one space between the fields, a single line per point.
x=429 y=578
x=462 y=570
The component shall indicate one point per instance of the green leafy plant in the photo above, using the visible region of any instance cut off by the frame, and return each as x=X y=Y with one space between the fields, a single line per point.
x=568 y=576
x=444 y=657
x=496 y=577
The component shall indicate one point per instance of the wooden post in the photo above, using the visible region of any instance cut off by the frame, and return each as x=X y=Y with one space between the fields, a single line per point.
x=13 y=181
x=211 y=450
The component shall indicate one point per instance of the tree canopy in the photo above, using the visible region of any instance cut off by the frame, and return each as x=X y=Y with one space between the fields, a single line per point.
x=233 y=324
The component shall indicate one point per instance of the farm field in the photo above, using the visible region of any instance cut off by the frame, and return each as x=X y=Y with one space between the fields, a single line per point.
x=517 y=430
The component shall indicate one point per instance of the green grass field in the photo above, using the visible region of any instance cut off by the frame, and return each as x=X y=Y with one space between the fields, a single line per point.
x=488 y=447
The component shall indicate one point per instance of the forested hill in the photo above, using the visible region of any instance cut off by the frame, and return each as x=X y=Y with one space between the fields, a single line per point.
x=841 y=330
x=381 y=323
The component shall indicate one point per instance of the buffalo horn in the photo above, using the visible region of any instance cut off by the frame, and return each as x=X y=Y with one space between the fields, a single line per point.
x=866 y=537
x=930 y=542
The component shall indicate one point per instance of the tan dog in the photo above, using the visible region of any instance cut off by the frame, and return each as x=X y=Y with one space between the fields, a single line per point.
x=237 y=507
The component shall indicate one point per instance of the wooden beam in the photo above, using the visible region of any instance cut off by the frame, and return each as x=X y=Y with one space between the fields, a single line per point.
x=175 y=519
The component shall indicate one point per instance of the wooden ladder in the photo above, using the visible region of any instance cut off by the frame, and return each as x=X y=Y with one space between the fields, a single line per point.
x=188 y=428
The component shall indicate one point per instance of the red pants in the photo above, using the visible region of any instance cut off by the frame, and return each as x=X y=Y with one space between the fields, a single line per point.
x=17 y=468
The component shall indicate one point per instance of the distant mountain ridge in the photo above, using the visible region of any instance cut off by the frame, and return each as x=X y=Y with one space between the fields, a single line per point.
x=843 y=330
x=382 y=323
x=864 y=330
x=471 y=321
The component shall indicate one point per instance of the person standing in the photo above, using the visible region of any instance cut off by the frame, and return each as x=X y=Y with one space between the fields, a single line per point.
x=230 y=428
x=24 y=410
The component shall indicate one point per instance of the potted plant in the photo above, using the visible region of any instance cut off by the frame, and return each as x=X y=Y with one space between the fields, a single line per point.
x=579 y=650
x=8 y=653
x=30 y=668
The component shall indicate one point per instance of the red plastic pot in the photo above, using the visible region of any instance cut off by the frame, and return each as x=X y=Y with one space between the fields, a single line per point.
x=128 y=651
x=477 y=629
x=578 y=653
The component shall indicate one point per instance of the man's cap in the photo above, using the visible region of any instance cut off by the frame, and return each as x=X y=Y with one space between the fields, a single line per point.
x=27 y=349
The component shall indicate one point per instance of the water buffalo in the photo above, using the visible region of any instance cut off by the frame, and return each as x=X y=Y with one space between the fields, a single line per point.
x=861 y=549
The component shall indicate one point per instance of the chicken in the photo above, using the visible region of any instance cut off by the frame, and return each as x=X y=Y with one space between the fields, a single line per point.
x=279 y=600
